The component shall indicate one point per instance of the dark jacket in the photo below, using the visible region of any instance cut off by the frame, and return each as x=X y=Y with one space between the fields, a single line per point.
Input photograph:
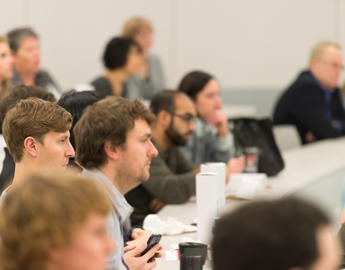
x=103 y=86
x=304 y=105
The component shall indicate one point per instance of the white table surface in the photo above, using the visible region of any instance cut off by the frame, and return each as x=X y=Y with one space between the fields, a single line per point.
x=314 y=172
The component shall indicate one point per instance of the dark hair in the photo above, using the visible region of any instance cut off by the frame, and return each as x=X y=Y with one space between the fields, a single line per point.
x=20 y=92
x=193 y=82
x=164 y=101
x=75 y=103
x=116 y=52
x=16 y=37
x=277 y=234
x=109 y=119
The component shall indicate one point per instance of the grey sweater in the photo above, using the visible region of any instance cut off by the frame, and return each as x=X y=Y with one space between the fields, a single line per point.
x=204 y=146
x=146 y=89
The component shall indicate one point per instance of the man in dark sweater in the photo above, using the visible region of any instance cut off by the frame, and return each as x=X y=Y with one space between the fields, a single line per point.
x=172 y=176
x=312 y=103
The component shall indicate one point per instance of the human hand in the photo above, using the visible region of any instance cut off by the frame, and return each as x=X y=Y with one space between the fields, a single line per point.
x=135 y=261
x=219 y=120
x=139 y=236
x=235 y=165
x=310 y=137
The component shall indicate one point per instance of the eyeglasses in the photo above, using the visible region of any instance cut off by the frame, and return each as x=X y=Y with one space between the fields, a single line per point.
x=189 y=118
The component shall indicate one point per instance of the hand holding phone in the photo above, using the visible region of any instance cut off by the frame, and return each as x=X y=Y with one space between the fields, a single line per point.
x=151 y=242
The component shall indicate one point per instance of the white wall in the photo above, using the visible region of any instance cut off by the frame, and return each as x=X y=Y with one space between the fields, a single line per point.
x=257 y=44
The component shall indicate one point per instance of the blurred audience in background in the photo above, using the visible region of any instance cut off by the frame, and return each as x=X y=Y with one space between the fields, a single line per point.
x=211 y=141
x=6 y=66
x=122 y=57
x=25 y=46
x=312 y=103
x=150 y=78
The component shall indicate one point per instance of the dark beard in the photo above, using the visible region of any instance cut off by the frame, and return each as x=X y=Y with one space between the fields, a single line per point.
x=176 y=138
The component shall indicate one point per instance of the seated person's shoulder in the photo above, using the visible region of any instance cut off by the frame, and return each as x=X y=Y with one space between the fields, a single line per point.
x=43 y=75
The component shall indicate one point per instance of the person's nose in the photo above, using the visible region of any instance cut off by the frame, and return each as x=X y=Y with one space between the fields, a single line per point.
x=219 y=104
x=153 y=152
x=11 y=60
x=37 y=54
x=192 y=125
x=70 y=150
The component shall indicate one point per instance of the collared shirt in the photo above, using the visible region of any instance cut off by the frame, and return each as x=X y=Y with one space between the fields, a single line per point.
x=120 y=212
x=4 y=194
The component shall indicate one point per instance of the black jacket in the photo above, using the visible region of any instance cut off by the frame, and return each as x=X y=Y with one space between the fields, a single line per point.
x=304 y=105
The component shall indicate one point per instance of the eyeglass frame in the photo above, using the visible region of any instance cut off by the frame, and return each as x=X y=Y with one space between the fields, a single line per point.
x=189 y=118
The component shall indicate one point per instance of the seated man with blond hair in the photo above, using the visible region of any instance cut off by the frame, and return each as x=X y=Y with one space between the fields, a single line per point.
x=37 y=136
x=312 y=102
x=54 y=221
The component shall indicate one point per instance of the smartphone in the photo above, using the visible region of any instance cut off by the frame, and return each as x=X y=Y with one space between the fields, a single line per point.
x=153 y=240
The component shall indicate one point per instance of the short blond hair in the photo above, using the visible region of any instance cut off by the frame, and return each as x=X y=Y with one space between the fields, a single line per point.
x=3 y=39
x=319 y=49
x=133 y=26
x=44 y=213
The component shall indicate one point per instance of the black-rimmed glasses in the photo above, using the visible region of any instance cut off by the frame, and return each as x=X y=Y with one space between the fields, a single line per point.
x=189 y=118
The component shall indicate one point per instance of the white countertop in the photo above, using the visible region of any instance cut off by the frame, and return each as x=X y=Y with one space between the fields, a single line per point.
x=314 y=172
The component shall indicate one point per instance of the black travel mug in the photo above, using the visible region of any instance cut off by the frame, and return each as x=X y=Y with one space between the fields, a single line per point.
x=192 y=255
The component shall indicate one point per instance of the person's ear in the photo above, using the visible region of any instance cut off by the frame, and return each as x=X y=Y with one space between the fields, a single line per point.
x=111 y=150
x=31 y=146
x=314 y=64
x=164 y=118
